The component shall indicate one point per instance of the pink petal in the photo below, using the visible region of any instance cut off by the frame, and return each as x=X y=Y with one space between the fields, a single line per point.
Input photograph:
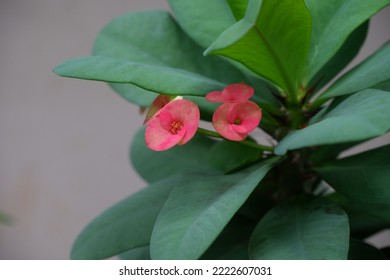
x=231 y=93
x=237 y=93
x=157 y=104
x=247 y=113
x=223 y=126
x=188 y=114
x=166 y=119
x=158 y=138
x=215 y=96
x=161 y=133
x=235 y=120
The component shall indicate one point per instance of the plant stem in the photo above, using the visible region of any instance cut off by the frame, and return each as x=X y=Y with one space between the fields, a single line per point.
x=209 y=133
x=248 y=143
x=297 y=118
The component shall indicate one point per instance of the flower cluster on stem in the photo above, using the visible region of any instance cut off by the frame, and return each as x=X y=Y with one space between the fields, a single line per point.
x=237 y=116
x=175 y=122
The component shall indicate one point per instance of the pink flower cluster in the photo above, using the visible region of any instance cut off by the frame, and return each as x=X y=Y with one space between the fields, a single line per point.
x=237 y=116
x=170 y=122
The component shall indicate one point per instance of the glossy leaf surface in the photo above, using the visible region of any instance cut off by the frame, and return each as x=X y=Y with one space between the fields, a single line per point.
x=198 y=210
x=263 y=40
x=372 y=72
x=153 y=166
x=361 y=116
x=333 y=22
x=126 y=225
x=302 y=228
x=363 y=177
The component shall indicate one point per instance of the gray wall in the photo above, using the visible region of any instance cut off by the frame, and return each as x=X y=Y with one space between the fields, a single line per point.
x=64 y=142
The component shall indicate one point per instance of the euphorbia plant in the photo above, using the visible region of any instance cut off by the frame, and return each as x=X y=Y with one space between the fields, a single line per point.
x=245 y=66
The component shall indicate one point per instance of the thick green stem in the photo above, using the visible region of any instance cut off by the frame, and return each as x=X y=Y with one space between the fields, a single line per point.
x=296 y=117
x=248 y=143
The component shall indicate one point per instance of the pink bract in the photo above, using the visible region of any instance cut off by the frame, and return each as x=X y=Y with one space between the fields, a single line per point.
x=231 y=93
x=157 y=104
x=176 y=123
x=235 y=120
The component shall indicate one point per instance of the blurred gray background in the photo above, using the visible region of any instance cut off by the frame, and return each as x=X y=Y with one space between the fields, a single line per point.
x=64 y=142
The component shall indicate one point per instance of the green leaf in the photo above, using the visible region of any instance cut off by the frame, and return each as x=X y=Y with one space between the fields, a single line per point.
x=381 y=211
x=373 y=71
x=364 y=219
x=153 y=166
x=360 y=250
x=134 y=94
x=238 y=8
x=363 y=177
x=161 y=79
x=124 y=226
x=333 y=21
x=383 y=86
x=232 y=243
x=326 y=109
x=263 y=40
x=198 y=18
x=302 y=228
x=361 y=116
x=141 y=253
x=341 y=59
x=198 y=210
x=329 y=152
x=364 y=225
x=134 y=36
x=227 y=155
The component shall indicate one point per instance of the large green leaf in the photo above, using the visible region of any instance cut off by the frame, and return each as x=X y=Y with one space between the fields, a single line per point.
x=228 y=155
x=381 y=211
x=361 y=116
x=333 y=21
x=238 y=8
x=153 y=166
x=329 y=152
x=134 y=36
x=373 y=71
x=341 y=59
x=140 y=253
x=232 y=243
x=198 y=18
x=301 y=228
x=365 y=219
x=156 y=78
x=363 y=177
x=263 y=40
x=134 y=94
x=198 y=210
x=126 y=225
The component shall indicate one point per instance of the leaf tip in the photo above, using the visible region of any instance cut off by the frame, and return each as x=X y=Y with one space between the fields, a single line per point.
x=280 y=150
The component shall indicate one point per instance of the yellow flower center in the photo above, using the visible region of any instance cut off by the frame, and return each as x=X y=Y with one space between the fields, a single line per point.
x=176 y=126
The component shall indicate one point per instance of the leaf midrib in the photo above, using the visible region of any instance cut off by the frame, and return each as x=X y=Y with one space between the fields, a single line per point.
x=289 y=84
x=204 y=213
